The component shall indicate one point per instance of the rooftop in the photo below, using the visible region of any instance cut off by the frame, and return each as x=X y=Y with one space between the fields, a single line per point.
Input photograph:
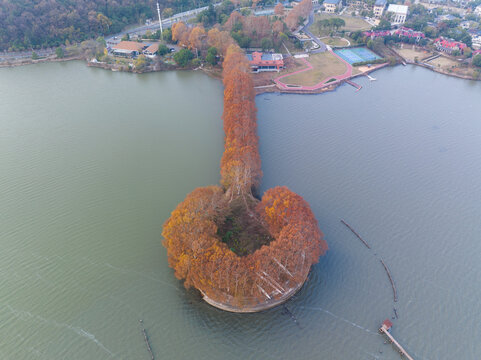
x=152 y=48
x=334 y=2
x=446 y=43
x=258 y=58
x=129 y=45
x=380 y=2
x=399 y=9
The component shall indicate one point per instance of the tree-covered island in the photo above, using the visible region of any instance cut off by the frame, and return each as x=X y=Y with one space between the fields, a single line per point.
x=243 y=254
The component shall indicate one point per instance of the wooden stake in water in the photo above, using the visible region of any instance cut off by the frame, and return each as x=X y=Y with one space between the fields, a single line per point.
x=146 y=340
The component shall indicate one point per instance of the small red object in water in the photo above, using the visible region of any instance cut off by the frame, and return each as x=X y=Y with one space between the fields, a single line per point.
x=387 y=324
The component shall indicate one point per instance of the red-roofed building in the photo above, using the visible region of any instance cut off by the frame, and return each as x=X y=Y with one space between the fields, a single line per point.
x=128 y=48
x=377 y=33
x=449 y=46
x=265 y=61
x=387 y=324
x=151 y=51
x=409 y=33
x=404 y=33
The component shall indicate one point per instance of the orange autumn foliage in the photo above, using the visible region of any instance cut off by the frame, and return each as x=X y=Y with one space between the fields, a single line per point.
x=279 y=9
x=241 y=163
x=204 y=262
x=234 y=18
x=180 y=33
x=302 y=10
x=221 y=40
x=197 y=38
x=194 y=248
x=256 y=27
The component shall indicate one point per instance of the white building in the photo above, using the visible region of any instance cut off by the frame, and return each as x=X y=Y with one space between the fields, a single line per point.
x=378 y=8
x=476 y=42
x=477 y=11
x=399 y=13
x=332 y=6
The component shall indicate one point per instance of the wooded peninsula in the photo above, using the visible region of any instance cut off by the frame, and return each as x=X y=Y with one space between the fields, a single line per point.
x=243 y=254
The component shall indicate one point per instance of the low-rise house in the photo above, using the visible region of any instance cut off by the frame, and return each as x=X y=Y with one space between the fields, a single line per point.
x=128 y=48
x=409 y=33
x=399 y=13
x=446 y=17
x=265 y=61
x=476 y=41
x=403 y=32
x=449 y=46
x=439 y=2
x=378 y=8
x=358 y=4
x=331 y=6
x=151 y=51
x=477 y=11
x=378 y=33
x=467 y=24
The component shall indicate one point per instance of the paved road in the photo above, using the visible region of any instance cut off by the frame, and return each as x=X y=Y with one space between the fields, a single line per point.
x=17 y=55
x=322 y=46
x=112 y=39
x=166 y=23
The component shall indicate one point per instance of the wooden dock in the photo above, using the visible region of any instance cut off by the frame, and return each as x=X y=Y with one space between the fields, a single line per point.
x=386 y=326
x=352 y=83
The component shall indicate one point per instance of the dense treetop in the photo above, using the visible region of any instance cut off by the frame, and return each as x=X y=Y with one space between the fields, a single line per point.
x=27 y=24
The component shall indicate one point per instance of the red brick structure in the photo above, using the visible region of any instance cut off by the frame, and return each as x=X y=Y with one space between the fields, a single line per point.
x=449 y=46
x=265 y=61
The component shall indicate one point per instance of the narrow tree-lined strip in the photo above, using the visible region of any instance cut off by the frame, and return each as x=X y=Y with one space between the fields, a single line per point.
x=237 y=250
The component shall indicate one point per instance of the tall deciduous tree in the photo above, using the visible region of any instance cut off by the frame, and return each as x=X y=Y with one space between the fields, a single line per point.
x=197 y=38
x=301 y=10
x=279 y=9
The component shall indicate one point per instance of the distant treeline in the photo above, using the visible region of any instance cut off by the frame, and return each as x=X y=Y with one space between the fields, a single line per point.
x=27 y=24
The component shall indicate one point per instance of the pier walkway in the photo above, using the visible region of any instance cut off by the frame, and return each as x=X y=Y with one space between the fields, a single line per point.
x=386 y=326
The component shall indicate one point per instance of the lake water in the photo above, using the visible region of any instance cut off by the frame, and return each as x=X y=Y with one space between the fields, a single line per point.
x=93 y=162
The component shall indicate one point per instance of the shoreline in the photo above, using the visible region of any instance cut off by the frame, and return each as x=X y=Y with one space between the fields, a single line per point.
x=269 y=304
x=443 y=72
x=435 y=69
x=25 y=62
x=259 y=90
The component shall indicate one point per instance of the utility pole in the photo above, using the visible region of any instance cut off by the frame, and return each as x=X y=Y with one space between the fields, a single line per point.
x=160 y=20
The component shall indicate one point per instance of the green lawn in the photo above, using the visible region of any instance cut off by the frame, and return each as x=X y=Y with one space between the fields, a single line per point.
x=444 y=63
x=352 y=23
x=411 y=54
x=325 y=65
x=334 y=41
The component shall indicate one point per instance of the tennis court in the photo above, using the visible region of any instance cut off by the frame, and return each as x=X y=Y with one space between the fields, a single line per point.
x=355 y=55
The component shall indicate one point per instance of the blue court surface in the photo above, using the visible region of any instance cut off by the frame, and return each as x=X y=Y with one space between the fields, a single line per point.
x=355 y=55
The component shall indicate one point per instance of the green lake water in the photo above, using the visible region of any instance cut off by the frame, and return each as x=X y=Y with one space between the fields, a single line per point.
x=93 y=162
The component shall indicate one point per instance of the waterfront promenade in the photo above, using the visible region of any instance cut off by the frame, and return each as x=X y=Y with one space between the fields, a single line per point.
x=325 y=82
